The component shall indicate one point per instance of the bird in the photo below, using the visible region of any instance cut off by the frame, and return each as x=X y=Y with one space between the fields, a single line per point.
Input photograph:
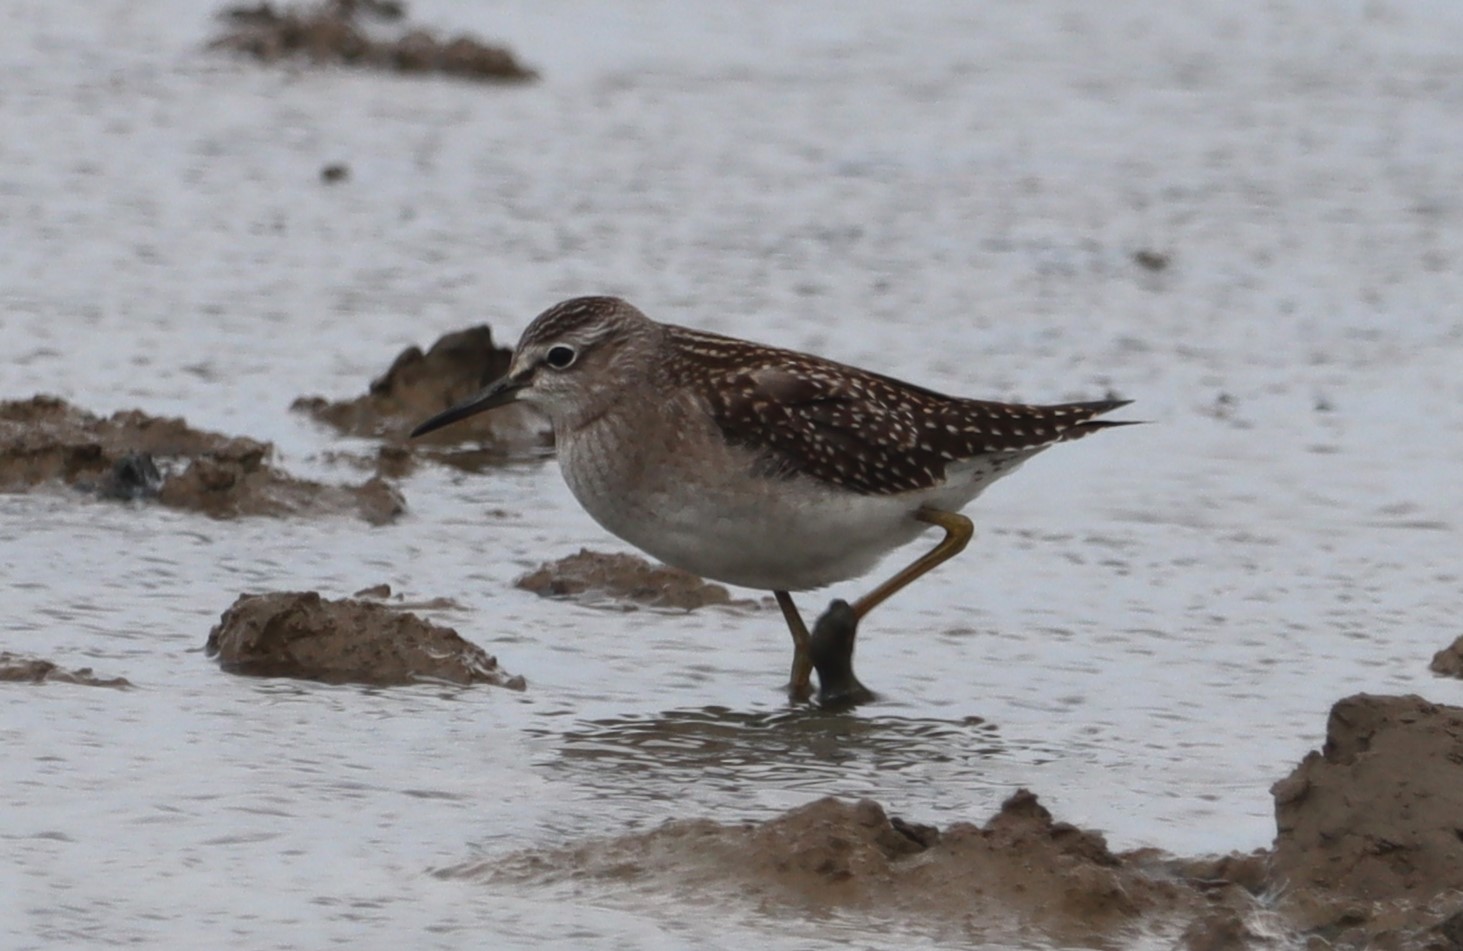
x=760 y=466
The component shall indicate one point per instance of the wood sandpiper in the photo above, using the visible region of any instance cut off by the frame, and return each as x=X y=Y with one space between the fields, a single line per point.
x=758 y=466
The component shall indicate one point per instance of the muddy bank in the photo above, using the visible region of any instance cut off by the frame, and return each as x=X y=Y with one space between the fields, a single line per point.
x=1021 y=876
x=418 y=385
x=1449 y=660
x=302 y=635
x=355 y=33
x=131 y=455
x=15 y=668
x=625 y=580
x=1368 y=853
x=1369 y=843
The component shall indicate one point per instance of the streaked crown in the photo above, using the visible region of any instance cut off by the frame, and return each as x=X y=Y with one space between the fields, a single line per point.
x=575 y=354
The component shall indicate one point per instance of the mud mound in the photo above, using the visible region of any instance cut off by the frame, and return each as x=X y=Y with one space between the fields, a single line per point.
x=300 y=634
x=1370 y=829
x=418 y=385
x=1449 y=660
x=17 y=669
x=131 y=455
x=1021 y=874
x=626 y=579
x=339 y=32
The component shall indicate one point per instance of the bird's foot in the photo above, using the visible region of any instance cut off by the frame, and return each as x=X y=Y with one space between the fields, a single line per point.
x=830 y=650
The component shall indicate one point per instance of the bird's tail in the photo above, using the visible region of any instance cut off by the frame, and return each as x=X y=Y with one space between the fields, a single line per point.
x=1084 y=416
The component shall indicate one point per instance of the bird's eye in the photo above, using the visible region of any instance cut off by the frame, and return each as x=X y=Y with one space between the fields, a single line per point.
x=560 y=357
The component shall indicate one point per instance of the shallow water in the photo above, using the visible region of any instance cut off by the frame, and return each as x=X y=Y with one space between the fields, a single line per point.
x=1148 y=630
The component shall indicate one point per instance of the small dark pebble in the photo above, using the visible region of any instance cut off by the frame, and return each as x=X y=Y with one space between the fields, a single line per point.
x=335 y=172
x=1452 y=930
x=922 y=835
x=1151 y=260
x=134 y=476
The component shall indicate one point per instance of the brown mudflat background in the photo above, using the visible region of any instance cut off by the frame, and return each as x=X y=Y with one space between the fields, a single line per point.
x=300 y=634
x=1012 y=201
x=1368 y=853
x=131 y=455
x=1369 y=844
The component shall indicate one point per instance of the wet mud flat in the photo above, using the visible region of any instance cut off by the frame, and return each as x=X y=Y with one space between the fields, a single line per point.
x=133 y=456
x=1368 y=850
x=1362 y=857
x=955 y=193
x=1368 y=853
x=1369 y=844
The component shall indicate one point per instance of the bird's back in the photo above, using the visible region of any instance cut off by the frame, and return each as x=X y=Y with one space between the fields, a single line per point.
x=856 y=429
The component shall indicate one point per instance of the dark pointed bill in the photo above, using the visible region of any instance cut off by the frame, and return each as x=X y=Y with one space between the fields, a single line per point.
x=497 y=394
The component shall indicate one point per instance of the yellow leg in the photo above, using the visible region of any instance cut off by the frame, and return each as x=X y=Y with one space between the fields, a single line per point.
x=799 y=685
x=958 y=532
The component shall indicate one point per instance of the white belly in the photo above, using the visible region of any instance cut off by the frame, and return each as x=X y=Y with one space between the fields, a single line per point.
x=716 y=519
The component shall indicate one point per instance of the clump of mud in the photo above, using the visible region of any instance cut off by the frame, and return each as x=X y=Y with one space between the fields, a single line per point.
x=418 y=385
x=17 y=669
x=1369 y=848
x=300 y=634
x=1020 y=875
x=1449 y=660
x=625 y=579
x=341 y=32
x=131 y=455
x=1150 y=260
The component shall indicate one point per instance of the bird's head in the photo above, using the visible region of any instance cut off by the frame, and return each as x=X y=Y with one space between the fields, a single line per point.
x=566 y=364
